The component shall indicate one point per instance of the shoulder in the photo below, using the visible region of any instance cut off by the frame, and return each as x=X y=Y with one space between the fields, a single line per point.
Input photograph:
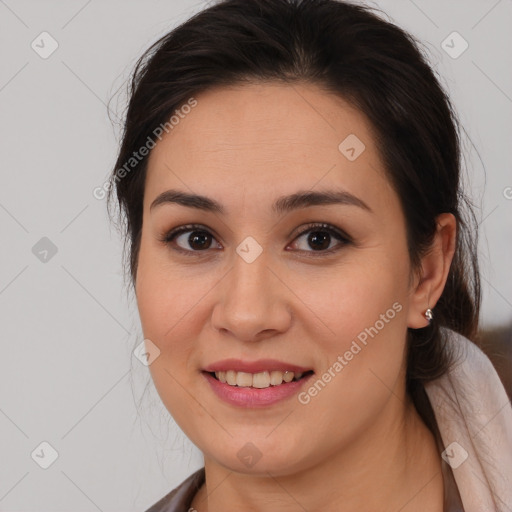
x=179 y=499
x=474 y=416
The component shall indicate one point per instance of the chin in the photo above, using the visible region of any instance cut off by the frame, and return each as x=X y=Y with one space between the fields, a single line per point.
x=260 y=457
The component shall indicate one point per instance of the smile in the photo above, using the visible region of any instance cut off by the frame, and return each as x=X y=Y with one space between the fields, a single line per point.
x=260 y=389
x=259 y=380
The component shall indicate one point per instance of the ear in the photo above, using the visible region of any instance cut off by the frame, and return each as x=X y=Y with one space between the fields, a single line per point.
x=433 y=274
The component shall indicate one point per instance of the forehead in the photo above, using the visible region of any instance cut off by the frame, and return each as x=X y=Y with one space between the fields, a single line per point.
x=266 y=140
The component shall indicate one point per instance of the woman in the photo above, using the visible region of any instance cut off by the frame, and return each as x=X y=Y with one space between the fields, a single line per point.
x=304 y=270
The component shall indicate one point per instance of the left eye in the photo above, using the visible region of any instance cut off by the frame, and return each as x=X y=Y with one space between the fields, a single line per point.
x=320 y=236
x=200 y=239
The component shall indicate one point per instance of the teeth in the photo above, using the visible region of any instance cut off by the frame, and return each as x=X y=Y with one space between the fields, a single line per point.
x=230 y=377
x=288 y=376
x=260 y=380
x=243 y=379
x=257 y=380
x=276 y=378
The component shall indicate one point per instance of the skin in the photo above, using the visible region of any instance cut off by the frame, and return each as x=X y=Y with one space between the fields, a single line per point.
x=360 y=443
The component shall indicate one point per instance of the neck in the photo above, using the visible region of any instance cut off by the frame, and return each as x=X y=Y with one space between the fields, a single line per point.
x=394 y=465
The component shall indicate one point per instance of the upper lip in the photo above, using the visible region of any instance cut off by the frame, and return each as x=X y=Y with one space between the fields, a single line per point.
x=258 y=366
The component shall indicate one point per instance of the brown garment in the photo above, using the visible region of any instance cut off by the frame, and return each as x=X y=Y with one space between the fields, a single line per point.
x=179 y=499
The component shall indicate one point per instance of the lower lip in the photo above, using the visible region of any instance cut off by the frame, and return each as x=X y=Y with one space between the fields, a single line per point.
x=254 y=397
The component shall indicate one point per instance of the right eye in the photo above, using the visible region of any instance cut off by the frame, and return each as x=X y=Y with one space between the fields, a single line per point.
x=199 y=239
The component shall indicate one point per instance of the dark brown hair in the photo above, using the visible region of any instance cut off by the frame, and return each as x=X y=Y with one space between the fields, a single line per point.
x=371 y=63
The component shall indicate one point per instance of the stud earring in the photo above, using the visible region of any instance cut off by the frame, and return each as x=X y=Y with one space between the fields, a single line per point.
x=429 y=315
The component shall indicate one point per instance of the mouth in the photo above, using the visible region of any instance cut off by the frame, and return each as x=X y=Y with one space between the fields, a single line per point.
x=260 y=380
x=255 y=384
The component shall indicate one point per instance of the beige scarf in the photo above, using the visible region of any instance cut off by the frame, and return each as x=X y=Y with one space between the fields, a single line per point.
x=474 y=415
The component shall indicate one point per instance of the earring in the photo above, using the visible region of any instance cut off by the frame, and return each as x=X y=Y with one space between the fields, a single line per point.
x=429 y=315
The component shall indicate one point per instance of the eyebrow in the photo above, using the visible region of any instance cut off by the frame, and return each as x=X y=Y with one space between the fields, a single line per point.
x=284 y=204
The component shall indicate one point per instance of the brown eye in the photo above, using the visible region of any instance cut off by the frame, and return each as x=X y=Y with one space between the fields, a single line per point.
x=320 y=237
x=199 y=239
x=194 y=239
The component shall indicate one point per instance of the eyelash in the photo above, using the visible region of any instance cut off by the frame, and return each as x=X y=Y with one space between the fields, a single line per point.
x=322 y=227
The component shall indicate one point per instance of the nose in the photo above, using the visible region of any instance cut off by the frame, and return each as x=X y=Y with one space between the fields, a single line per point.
x=252 y=301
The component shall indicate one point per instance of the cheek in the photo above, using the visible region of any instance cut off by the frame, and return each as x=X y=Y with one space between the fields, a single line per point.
x=166 y=303
x=366 y=313
x=165 y=306
x=161 y=294
x=165 y=309
x=356 y=295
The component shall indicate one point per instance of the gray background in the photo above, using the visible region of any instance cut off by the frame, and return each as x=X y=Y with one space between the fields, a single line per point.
x=68 y=376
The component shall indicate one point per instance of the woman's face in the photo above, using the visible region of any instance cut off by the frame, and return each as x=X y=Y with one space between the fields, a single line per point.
x=246 y=290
